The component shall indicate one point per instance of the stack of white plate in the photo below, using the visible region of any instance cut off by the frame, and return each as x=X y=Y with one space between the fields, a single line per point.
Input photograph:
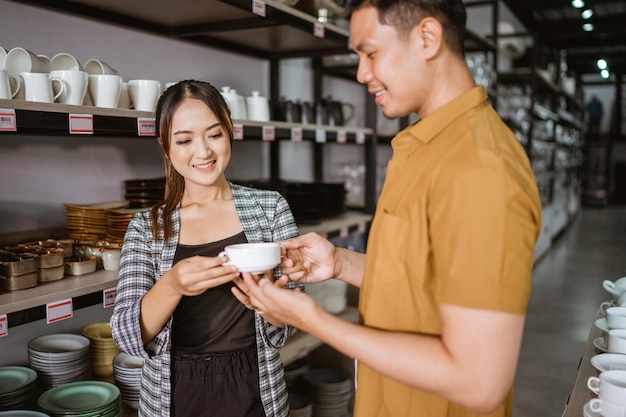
x=59 y=359
x=331 y=391
x=127 y=376
x=82 y=399
x=103 y=348
x=18 y=387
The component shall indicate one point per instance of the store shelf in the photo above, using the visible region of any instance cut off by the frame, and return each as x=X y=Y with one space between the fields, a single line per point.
x=300 y=344
x=28 y=305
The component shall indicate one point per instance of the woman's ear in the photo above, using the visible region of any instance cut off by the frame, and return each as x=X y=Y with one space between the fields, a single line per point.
x=429 y=33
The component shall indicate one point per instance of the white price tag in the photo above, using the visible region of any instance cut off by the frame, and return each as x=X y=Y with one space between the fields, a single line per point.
x=320 y=135
x=146 y=126
x=108 y=297
x=59 y=310
x=318 y=30
x=81 y=124
x=296 y=134
x=341 y=136
x=4 y=325
x=7 y=120
x=237 y=131
x=360 y=138
x=258 y=7
x=269 y=133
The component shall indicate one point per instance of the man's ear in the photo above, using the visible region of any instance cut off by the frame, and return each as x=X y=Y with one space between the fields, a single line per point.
x=429 y=33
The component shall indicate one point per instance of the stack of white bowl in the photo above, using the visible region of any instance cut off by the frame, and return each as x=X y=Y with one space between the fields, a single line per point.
x=127 y=376
x=103 y=348
x=59 y=358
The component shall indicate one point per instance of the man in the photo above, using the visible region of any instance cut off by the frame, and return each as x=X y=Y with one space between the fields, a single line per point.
x=446 y=276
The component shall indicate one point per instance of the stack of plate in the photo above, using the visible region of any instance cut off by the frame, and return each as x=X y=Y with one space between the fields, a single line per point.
x=127 y=376
x=144 y=192
x=18 y=387
x=118 y=219
x=103 y=348
x=59 y=358
x=89 y=221
x=331 y=391
x=82 y=399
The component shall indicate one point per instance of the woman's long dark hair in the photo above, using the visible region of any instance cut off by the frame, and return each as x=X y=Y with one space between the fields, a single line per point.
x=174 y=182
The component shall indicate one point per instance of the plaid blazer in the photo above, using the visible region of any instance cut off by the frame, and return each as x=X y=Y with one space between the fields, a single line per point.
x=265 y=217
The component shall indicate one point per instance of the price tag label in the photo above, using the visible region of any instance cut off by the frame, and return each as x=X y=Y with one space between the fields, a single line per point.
x=237 y=131
x=296 y=134
x=320 y=135
x=7 y=120
x=59 y=310
x=318 y=30
x=341 y=136
x=108 y=297
x=258 y=8
x=344 y=232
x=360 y=138
x=146 y=126
x=4 y=325
x=81 y=124
x=269 y=133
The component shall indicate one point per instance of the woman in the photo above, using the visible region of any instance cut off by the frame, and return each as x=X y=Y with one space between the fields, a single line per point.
x=207 y=352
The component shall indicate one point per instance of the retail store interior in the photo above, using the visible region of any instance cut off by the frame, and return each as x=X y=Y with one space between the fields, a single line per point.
x=544 y=64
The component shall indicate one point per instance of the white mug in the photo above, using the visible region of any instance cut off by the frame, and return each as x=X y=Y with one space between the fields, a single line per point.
x=144 y=94
x=21 y=60
x=75 y=86
x=9 y=85
x=253 y=257
x=64 y=61
x=38 y=87
x=97 y=67
x=607 y=408
x=610 y=386
x=105 y=90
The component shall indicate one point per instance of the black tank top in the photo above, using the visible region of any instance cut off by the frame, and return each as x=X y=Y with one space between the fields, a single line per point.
x=215 y=321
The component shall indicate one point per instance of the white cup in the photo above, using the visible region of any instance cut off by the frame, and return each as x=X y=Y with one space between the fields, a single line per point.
x=258 y=107
x=38 y=87
x=65 y=61
x=610 y=386
x=21 y=60
x=144 y=94
x=97 y=67
x=9 y=85
x=111 y=259
x=253 y=257
x=616 y=342
x=124 y=101
x=616 y=317
x=616 y=287
x=75 y=86
x=607 y=408
x=105 y=90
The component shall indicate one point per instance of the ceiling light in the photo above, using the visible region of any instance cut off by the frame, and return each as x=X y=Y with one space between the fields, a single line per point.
x=578 y=4
x=586 y=14
x=587 y=27
x=602 y=64
x=604 y=74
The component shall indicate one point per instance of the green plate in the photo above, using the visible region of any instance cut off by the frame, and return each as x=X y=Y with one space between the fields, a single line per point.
x=13 y=378
x=82 y=396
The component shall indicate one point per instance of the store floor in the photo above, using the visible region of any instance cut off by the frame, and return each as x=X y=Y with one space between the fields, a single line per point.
x=567 y=291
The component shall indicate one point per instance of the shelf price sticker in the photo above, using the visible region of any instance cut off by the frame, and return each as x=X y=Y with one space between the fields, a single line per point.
x=4 y=325
x=81 y=124
x=258 y=8
x=146 y=126
x=318 y=29
x=296 y=134
x=8 y=120
x=269 y=133
x=59 y=310
x=108 y=297
x=320 y=135
x=360 y=138
x=237 y=131
x=342 y=137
